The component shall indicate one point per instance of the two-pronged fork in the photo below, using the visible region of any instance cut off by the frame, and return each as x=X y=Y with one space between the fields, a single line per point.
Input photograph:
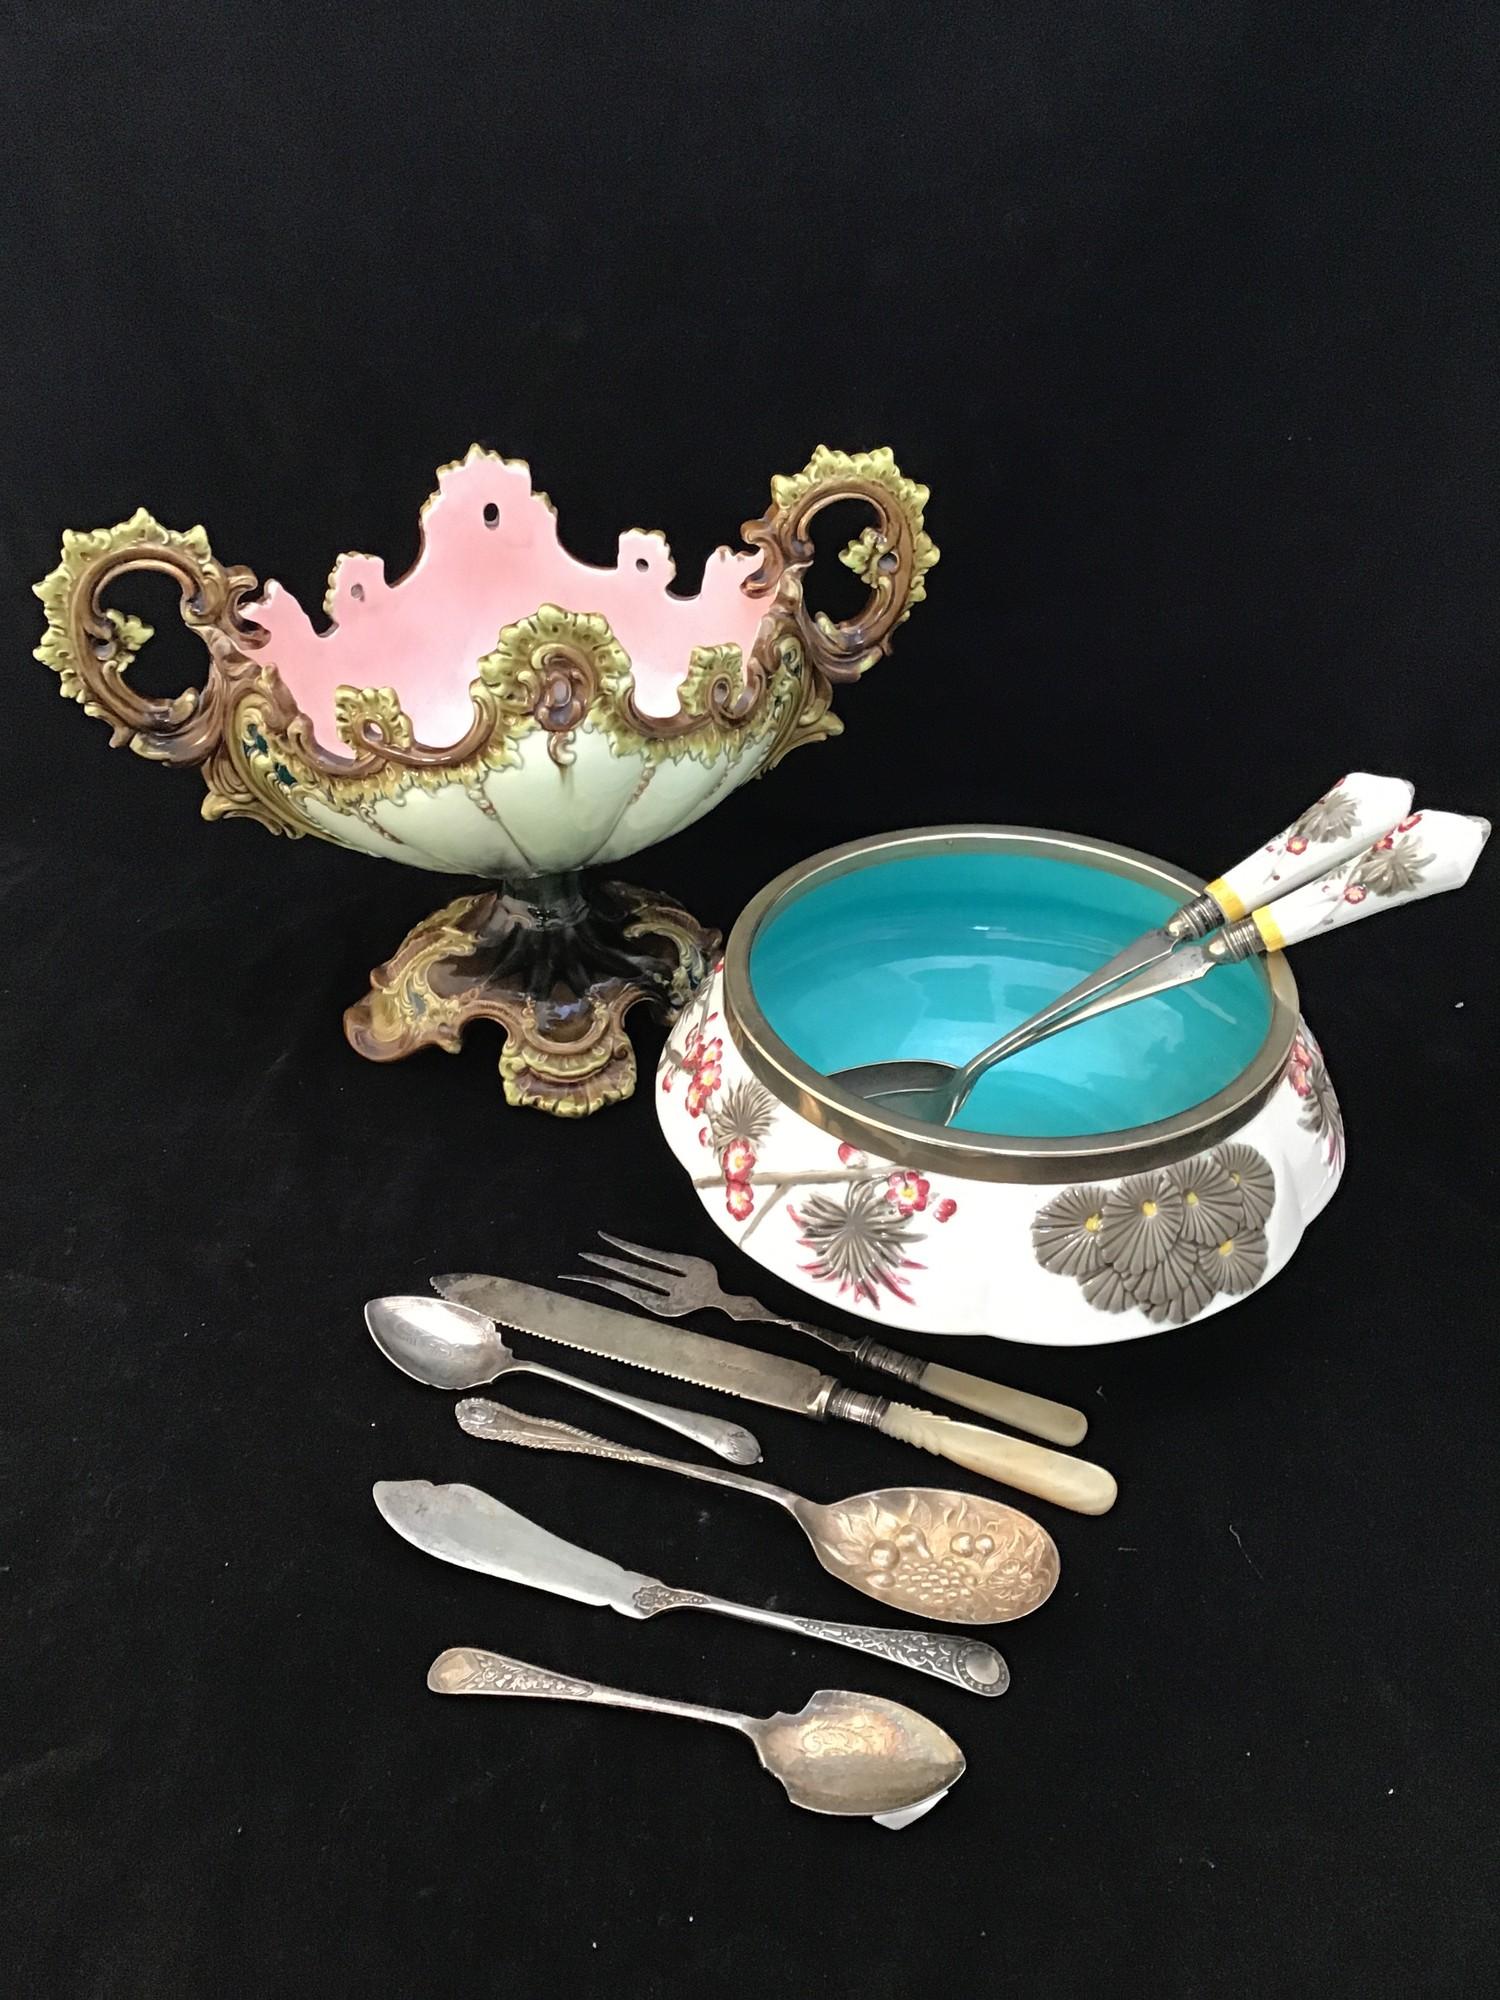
x=671 y=1284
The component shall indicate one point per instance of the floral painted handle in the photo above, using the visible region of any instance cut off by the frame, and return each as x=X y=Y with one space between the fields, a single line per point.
x=892 y=557
x=1426 y=854
x=1339 y=826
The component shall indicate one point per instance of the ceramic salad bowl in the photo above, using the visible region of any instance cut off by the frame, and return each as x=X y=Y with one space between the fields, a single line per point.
x=506 y=711
x=1138 y=1171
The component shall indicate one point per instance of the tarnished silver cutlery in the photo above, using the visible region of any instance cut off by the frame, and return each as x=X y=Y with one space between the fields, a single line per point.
x=462 y=1525
x=919 y=1549
x=449 y=1346
x=783 y=1384
x=853 y=1755
x=671 y=1284
x=1361 y=884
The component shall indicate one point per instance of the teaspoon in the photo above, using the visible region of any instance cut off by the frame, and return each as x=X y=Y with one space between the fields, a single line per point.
x=856 y=1755
x=922 y=1550
x=448 y=1346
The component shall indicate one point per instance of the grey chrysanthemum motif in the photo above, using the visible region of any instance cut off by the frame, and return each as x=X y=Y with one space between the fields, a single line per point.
x=858 y=1242
x=1107 y=1290
x=1252 y=1176
x=1178 y=1289
x=1321 y=1114
x=1390 y=870
x=1307 y=1073
x=1238 y=1263
x=1163 y=1243
x=746 y=1111
x=1142 y=1220
x=1211 y=1202
x=1334 y=817
x=1065 y=1233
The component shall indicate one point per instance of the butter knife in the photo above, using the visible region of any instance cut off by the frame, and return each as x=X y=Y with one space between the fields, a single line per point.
x=462 y=1525
x=783 y=1384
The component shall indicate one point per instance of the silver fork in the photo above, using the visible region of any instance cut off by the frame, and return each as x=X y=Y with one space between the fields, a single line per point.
x=672 y=1284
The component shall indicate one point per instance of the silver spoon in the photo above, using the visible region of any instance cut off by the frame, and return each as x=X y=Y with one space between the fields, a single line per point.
x=855 y=1755
x=924 y=1550
x=1344 y=821
x=471 y=1528
x=1428 y=853
x=449 y=1346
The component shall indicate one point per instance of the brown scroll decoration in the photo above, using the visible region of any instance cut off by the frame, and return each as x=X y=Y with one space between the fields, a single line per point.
x=91 y=648
x=558 y=976
x=242 y=728
x=892 y=556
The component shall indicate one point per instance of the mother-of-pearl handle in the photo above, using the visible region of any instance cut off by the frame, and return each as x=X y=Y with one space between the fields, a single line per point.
x=1038 y=1415
x=1426 y=854
x=1031 y=1468
x=1352 y=813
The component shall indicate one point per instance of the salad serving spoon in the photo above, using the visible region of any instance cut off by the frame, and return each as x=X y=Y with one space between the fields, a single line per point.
x=1402 y=867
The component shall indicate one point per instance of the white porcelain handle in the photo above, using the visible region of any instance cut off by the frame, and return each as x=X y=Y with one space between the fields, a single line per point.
x=1426 y=854
x=1352 y=813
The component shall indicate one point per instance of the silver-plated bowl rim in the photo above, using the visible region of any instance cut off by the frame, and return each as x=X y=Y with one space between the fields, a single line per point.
x=982 y=1155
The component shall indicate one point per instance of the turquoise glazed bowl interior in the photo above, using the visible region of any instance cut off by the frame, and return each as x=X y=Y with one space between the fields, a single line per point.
x=933 y=955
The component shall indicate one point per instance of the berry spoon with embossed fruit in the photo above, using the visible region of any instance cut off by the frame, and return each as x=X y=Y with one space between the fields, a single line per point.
x=850 y=1754
x=462 y=1525
x=917 y=1549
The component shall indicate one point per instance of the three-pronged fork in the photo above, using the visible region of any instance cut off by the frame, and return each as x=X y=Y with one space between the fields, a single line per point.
x=672 y=1284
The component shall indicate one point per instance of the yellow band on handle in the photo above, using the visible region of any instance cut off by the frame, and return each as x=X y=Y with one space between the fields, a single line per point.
x=1269 y=929
x=1227 y=900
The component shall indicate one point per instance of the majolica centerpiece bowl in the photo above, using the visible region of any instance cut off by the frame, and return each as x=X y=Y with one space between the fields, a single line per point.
x=1138 y=1171
x=505 y=711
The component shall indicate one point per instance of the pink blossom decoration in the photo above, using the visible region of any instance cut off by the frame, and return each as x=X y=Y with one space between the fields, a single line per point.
x=909 y=1191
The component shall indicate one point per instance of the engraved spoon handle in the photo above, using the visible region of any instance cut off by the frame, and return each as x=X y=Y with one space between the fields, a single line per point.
x=731 y=1441
x=468 y=1670
x=965 y=1663
x=482 y=1417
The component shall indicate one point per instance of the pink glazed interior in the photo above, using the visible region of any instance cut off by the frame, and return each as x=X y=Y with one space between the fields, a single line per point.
x=490 y=557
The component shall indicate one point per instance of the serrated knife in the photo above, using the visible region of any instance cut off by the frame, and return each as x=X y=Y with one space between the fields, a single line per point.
x=462 y=1525
x=780 y=1383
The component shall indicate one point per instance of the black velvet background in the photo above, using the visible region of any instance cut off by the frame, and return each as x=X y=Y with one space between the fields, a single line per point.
x=1181 y=312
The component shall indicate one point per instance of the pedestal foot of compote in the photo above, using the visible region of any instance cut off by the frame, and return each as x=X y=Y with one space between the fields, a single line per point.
x=558 y=962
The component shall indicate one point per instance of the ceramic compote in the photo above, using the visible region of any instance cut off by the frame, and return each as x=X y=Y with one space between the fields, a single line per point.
x=504 y=711
x=1141 y=1170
